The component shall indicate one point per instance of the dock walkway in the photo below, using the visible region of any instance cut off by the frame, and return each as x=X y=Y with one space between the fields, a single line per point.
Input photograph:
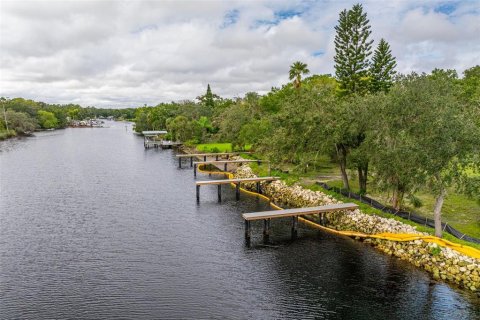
x=205 y=155
x=224 y=162
x=237 y=183
x=164 y=144
x=266 y=216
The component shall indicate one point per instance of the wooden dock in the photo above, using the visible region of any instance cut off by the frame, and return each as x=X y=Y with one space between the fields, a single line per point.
x=205 y=155
x=164 y=144
x=266 y=216
x=220 y=162
x=237 y=183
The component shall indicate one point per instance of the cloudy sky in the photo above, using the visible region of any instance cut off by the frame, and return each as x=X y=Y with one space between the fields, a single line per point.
x=130 y=53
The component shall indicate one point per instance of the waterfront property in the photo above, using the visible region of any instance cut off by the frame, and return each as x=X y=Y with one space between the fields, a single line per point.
x=266 y=216
x=111 y=247
x=155 y=139
x=205 y=155
x=236 y=182
x=224 y=162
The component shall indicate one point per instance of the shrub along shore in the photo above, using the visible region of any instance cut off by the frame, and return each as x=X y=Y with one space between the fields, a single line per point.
x=442 y=262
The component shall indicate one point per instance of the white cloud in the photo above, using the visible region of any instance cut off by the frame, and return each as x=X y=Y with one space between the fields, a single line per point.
x=120 y=54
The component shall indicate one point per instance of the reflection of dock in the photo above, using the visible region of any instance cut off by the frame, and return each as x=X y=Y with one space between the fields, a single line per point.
x=266 y=216
x=236 y=182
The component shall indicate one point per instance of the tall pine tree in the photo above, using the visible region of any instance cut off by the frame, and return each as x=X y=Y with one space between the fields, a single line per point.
x=382 y=69
x=352 y=49
x=209 y=97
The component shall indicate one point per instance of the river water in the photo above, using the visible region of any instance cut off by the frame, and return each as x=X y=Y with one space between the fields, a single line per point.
x=93 y=226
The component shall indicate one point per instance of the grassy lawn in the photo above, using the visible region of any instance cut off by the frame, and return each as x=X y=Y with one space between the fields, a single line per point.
x=217 y=147
x=369 y=210
x=461 y=212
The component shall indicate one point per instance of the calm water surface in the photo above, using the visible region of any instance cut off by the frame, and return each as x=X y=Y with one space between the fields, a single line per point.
x=92 y=226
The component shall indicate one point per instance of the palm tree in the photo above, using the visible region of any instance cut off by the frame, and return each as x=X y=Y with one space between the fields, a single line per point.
x=296 y=70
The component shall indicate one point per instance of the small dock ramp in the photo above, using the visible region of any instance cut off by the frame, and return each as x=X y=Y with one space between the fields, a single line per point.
x=236 y=182
x=205 y=155
x=266 y=216
x=225 y=163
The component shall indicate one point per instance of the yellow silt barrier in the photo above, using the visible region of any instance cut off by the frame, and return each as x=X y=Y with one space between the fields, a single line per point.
x=466 y=250
x=401 y=237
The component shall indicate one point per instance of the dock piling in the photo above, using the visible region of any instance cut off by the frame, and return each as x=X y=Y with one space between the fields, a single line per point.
x=294 y=227
x=266 y=230
x=191 y=162
x=194 y=170
x=198 y=193
x=180 y=163
x=247 y=232
x=237 y=191
x=219 y=193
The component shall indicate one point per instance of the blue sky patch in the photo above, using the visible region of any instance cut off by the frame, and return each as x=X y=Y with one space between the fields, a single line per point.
x=287 y=14
x=278 y=17
x=318 y=53
x=446 y=8
x=230 y=18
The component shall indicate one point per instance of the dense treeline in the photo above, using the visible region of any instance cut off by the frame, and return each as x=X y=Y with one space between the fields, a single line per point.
x=401 y=133
x=23 y=116
x=423 y=117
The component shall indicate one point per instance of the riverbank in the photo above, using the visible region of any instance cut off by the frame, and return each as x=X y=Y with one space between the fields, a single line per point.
x=441 y=262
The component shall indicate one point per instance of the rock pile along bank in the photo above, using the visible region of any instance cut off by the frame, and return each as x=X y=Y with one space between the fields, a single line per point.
x=443 y=263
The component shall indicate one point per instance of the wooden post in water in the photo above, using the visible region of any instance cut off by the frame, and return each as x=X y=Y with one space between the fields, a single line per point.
x=180 y=162
x=266 y=230
x=195 y=170
x=219 y=193
x=205 y=158
x=247 y=232
x=216 y=157
x=237 y=191
x=294 y=227
x=225 y=167
x=198 y=193
x=191 y=162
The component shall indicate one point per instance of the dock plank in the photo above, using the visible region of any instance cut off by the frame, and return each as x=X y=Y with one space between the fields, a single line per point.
x=225 y=161
x=211 y=154
x=227 y=181
x=298 y=211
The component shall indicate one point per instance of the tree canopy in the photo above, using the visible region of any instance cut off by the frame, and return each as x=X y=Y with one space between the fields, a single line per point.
x=352 y=49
